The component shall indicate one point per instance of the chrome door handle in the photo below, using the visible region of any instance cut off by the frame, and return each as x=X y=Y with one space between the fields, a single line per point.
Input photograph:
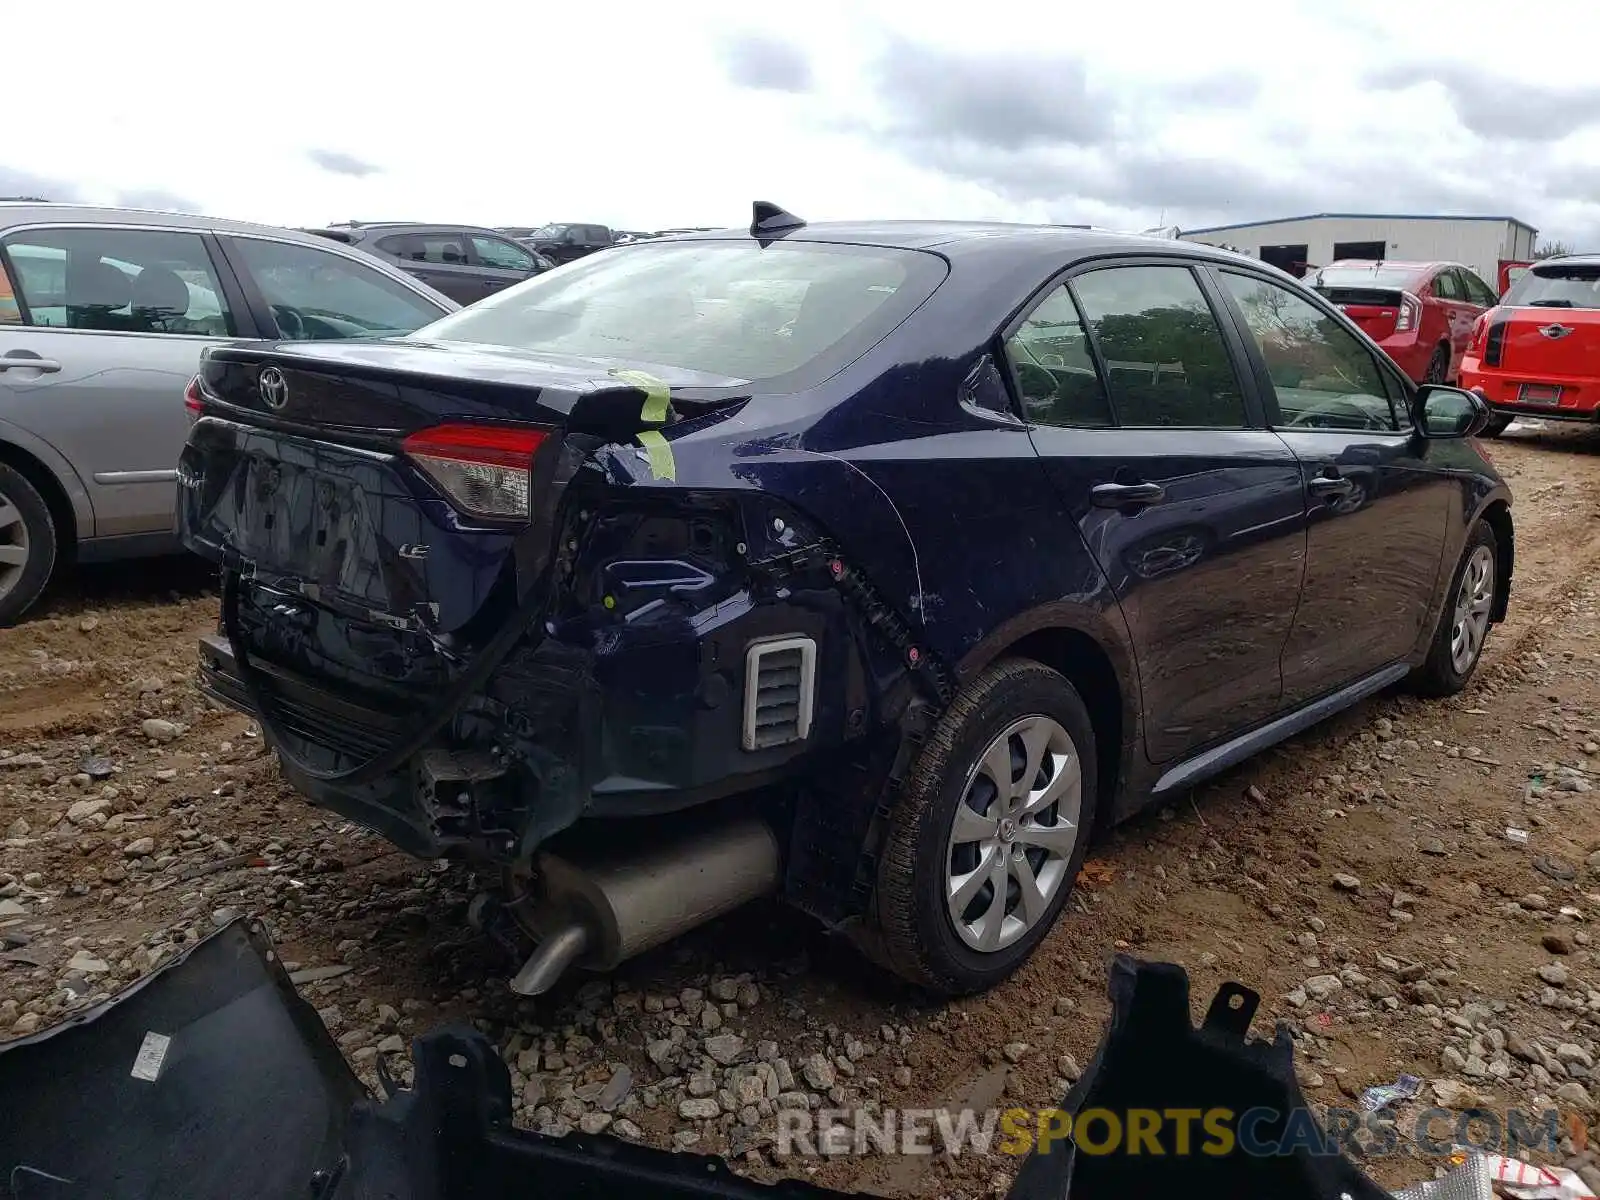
x=1329 y=486
x=1126 y=495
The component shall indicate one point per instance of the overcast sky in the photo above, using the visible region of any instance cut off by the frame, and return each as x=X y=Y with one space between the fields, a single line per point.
x=1125 y=114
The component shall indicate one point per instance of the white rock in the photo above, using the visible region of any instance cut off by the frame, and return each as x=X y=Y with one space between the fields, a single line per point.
x=1320 y=987
x=84 y=809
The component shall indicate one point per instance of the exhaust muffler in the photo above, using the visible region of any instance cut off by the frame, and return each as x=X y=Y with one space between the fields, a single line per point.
x=599 y=908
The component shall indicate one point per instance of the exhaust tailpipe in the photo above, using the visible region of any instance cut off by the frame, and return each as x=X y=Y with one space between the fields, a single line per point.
x=603 y=907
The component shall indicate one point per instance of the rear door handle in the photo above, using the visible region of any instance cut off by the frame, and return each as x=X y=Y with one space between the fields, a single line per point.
x=1329 y=486
x=1127 y=495
x=47 y=365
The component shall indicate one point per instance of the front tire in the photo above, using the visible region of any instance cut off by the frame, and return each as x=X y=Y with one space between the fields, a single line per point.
x=27 y=544
x=989 y=833
x=1464 y=625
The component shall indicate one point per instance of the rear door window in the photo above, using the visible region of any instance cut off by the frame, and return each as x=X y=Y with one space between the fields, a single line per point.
x=1446 y=286
x=1478 y=292
x=1053 y=369
x=316 y=293
x=1325 y=378
x=444 y=249
x=119 y=280
x=1162 y=349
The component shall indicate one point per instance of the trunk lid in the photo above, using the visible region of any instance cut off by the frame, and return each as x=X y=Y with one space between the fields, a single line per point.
x=393 y=481
x=1375 y=310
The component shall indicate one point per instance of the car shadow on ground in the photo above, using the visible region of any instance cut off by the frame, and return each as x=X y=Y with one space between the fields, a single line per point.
x=82 y=587
x=1552 y=435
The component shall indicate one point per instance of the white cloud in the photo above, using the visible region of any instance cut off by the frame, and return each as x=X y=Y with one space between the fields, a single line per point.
x=646 y=116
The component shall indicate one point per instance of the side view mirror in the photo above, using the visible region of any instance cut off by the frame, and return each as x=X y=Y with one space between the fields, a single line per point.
x=1450 y=412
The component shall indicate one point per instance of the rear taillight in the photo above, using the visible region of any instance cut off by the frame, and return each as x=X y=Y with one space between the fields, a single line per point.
x=1410 y=313
x=485 y=470
x=1494 y=344
x=192 y=398
x=1480 y=333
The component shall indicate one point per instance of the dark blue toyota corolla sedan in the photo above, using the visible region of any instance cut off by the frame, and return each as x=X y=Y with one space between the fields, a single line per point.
x=871 y=566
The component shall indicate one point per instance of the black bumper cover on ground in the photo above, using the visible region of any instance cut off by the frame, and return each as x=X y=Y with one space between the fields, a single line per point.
x=252 y=1099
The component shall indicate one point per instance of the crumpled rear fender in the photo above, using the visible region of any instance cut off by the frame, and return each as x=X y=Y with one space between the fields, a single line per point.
x=835 y=493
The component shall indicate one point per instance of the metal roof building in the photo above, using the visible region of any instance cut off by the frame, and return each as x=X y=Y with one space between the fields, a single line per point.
x=1296 y=243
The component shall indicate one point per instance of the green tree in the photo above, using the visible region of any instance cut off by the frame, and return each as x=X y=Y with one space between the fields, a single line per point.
x=1552 y=250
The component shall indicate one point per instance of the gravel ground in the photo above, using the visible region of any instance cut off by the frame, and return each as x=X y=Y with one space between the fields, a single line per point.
x=1361 y=878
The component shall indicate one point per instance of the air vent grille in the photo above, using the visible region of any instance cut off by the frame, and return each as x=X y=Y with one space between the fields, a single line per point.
x=779 y=691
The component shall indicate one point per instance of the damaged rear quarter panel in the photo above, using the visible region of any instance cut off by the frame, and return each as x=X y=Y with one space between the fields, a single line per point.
x=949 y=516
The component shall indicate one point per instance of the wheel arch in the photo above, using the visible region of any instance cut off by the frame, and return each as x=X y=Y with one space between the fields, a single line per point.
x=63 y=511
x=1088 y=651
x=1497 y=515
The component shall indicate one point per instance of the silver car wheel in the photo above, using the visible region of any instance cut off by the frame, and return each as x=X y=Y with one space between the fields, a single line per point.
x=1014 y=834
x=1473 y=602
x=13 y=545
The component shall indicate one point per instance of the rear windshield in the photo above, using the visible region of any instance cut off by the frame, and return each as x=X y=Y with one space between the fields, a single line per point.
x=727 y=308
x=1371 y=277
x=1573 y=285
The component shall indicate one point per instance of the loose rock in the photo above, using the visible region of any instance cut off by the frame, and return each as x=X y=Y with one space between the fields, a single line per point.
x=1554 y=974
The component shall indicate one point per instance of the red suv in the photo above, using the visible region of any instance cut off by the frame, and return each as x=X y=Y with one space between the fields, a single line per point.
x=1538 y=353
x=1421 y=314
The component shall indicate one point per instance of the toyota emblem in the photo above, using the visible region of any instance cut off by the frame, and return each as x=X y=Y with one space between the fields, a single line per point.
x=1555 y=331
x=274 y=388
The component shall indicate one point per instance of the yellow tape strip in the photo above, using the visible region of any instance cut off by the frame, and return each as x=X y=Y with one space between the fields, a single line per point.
x=657 y=395
x=662 y=464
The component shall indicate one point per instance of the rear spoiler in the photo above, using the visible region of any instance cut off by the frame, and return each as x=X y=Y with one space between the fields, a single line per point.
x=212 y=1079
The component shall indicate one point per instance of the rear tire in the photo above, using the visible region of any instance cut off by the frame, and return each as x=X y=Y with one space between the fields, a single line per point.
x=1464 y=622
x=27 y=544
x=1438 y=365
x=980 y=855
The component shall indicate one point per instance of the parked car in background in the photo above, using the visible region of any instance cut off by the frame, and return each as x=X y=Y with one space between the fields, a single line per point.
x=1420 y=313
x=1538 y=352
x=465 y=262
x=109 y=312
x=566 y=242
x=613 y=590
x=1511 y=270
x=520 y=234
